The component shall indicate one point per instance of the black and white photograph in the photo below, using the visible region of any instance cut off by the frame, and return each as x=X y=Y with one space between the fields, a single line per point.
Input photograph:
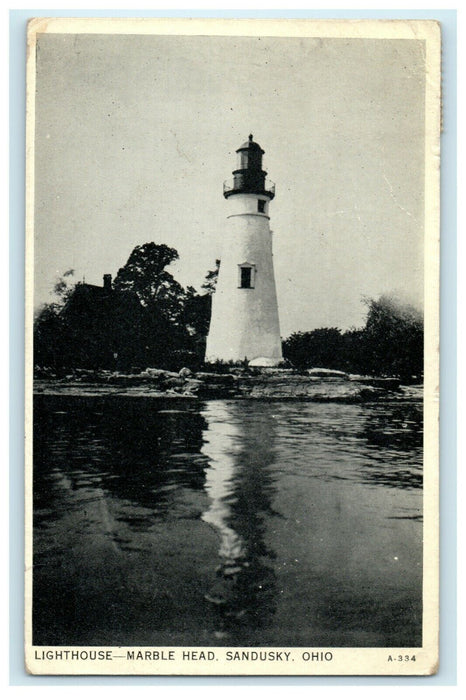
x=232 y=347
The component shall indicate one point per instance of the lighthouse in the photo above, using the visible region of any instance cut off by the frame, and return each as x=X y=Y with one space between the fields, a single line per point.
x=244 y=322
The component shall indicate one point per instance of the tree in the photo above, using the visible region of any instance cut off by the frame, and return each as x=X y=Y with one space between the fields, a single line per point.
x=210 y=281
x=353 y=357
x=198 y=307
x=50 y=328
x=390 y=344
x=394 y=338
x=318 y=348
x=48 y=334
x=145 y=274
x=64 y=287
x=177 y=313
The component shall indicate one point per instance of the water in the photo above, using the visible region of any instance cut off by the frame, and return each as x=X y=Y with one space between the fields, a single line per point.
x=165 y=522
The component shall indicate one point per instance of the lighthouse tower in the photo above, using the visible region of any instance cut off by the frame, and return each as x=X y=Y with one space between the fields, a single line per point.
x=244 y=321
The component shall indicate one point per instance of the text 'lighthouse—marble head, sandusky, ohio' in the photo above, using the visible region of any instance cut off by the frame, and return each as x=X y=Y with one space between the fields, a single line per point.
x=244 y=323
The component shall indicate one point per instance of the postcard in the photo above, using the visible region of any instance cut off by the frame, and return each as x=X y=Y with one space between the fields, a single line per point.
x=232 y=329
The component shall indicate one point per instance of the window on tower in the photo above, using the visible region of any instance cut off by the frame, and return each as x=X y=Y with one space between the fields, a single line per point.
x=246 y=276
x=261 y=205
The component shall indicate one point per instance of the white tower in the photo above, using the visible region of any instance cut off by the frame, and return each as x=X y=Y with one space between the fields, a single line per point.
x=244 y=321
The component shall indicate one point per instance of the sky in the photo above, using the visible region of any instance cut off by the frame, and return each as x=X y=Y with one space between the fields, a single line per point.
x=135 y=135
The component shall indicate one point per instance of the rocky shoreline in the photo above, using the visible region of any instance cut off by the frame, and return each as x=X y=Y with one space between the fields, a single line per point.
x=264 y=383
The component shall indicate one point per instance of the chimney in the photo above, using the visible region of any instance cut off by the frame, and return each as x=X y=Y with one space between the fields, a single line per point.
x=108 y=283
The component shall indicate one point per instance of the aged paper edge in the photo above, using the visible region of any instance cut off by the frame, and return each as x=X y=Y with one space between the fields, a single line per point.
x=306 y=661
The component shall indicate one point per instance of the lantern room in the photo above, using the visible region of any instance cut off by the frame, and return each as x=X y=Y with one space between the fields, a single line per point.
x=249 y=178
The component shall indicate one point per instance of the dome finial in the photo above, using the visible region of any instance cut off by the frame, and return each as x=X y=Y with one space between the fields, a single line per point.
x=250 y=137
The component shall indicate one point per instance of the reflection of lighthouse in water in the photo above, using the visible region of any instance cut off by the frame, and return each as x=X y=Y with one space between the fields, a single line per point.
x=240 y=486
